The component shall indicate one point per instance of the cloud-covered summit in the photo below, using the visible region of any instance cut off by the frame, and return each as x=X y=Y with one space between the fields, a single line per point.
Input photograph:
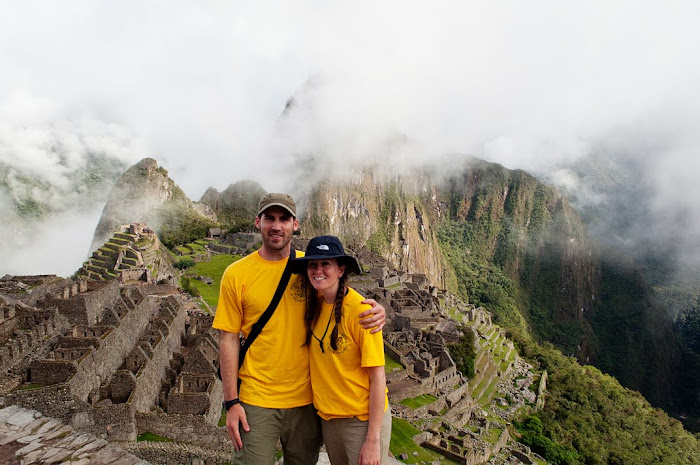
x=201 y=86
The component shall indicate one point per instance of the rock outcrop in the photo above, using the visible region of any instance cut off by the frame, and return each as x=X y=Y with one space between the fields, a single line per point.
x=146 y=194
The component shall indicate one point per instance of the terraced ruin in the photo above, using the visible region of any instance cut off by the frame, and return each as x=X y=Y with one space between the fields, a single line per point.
x=132 y=254
x=121 y=356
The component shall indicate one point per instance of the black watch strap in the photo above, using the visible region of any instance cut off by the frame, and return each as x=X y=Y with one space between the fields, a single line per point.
x=230 y=403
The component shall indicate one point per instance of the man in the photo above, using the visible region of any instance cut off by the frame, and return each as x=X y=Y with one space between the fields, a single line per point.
x=275 y=399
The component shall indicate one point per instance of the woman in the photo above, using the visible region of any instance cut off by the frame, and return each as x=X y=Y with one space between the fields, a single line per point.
x=347 y=362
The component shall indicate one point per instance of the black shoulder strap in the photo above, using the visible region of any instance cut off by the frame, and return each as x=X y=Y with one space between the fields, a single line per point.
x=265 y=317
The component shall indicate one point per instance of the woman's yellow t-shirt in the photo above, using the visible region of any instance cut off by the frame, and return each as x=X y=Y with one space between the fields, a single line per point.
x=339 y=377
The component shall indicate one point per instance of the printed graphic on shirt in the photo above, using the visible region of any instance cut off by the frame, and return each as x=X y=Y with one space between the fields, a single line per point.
x=342 y=344
x=297 y=290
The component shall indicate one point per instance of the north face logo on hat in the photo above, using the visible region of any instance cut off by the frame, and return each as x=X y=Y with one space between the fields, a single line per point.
x=323 y=247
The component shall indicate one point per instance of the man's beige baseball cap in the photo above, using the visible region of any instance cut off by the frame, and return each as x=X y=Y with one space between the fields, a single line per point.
x=278 y=200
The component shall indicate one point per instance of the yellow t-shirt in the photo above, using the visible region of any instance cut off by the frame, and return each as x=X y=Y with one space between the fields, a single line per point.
x=275 y=372
x=339 y=378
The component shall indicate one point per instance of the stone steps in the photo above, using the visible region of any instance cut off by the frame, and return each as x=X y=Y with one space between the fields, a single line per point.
x=112 y=246
x=173 y=450
x=27 y=437
x=120 y=241
x=125 y=236
x=129 y=262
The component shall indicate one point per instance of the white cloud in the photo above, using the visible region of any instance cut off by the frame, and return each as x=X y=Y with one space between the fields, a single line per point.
x=202 y=84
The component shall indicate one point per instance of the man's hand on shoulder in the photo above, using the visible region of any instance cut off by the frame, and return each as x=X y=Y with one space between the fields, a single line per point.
x=374 y=318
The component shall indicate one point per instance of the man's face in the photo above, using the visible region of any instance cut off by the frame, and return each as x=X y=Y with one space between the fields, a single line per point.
x=276 y=226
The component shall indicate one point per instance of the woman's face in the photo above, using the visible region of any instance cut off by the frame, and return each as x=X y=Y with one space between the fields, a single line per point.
x=325 y=275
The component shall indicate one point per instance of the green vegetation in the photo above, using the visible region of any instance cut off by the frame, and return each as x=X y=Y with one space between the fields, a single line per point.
x=148 y=436
x=402 y=433
x=592 y=414
x=531 y=430
x=478 y=282
x=180 y=225
x=187 y=285
x=419 y=401
x=29 y=386
x=390 y=364
x=184 y=264
x=214 y=269
x=464 y=352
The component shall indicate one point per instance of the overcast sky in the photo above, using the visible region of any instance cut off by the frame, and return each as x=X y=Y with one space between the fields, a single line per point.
x=200 y=86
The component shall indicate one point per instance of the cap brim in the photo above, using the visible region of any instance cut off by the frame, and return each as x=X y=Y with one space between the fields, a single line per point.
x=277 y=205
x=298 y=265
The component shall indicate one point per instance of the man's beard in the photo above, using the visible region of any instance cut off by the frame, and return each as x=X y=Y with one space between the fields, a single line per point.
x=276 y=245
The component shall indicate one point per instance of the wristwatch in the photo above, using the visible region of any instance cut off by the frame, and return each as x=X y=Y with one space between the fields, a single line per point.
x=230 y=403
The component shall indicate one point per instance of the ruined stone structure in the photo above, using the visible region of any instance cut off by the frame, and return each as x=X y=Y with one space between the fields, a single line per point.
x=417 y=336
x=132 y=254
x=237 y=243
x=114 y=359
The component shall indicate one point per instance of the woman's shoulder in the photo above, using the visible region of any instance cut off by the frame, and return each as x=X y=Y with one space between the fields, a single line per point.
x=353 y=301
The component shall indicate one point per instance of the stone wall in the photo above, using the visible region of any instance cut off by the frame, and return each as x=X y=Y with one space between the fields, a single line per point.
x=114 y=422
x=85 y=308
x=193 y=429
x=541 y=390
x=457 y=395
x=197 y=395
x=52 y=371
x=55 y=401
x=149 y=376
x=100 y=364
x=26 y=331
x=426 y=410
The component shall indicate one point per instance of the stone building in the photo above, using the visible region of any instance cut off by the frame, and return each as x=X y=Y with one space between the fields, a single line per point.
x=103 y=354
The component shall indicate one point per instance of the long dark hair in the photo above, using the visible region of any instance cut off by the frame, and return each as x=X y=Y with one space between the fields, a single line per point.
x=313 y=307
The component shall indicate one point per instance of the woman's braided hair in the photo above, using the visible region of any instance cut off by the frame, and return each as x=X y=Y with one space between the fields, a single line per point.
x=313 y=307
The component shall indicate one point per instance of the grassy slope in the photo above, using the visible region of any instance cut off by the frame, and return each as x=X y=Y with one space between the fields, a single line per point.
x=213 y=269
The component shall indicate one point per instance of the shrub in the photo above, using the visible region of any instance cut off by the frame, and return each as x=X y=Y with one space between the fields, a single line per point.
x=184 y=264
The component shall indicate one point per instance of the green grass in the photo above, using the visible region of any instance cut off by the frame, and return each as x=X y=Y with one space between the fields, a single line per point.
x=29 y=386
x=486 y=396
x=493 y=435
x=390 y=364
x=418 y=401
x=148 y=436
x=401 y=442
x=196 y=247
x=214 y=269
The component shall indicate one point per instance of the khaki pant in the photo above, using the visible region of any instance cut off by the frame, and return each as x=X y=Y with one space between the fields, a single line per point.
x=297 y=428
x=344 y=438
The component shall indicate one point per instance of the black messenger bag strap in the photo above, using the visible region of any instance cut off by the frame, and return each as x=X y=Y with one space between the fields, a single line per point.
x=265 y=317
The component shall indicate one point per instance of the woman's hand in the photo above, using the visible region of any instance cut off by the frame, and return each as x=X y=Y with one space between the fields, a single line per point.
x=370 y=452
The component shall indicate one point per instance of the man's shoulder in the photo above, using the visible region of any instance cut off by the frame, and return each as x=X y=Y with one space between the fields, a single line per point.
x=242 y=264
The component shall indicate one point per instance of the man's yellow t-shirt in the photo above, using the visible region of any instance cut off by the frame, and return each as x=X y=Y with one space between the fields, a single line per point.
x=275 y=371
x=339 y=377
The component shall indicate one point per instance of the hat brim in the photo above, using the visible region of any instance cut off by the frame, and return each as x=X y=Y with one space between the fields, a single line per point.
x=275 y=204
x=298 y=265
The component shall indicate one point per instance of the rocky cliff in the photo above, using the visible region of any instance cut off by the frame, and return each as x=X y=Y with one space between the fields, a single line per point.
x=145 y=193
x=503 y=239
x=391 y=216
x=496 y=237
x=237 y=205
